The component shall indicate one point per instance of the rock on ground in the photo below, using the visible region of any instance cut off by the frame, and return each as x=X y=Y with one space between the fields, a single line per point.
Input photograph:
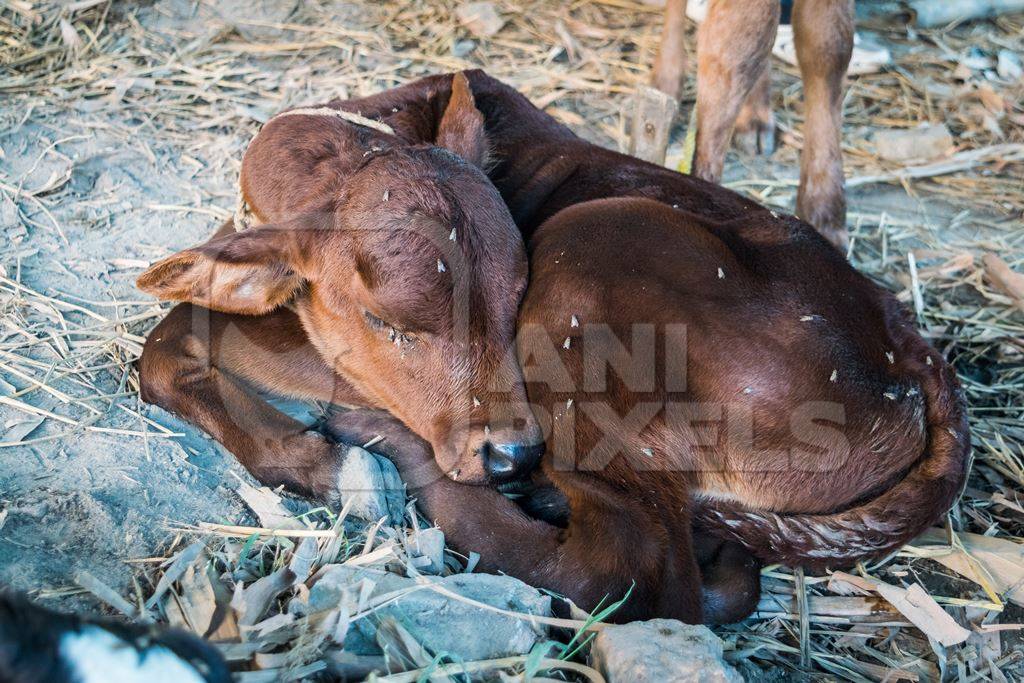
x=480 y=18
x=661 y=651
x=1009 y=65
x=439 y=623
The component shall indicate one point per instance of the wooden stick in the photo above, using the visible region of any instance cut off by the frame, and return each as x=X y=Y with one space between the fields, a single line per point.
x=934 y=13
x=961 y=161
x=652 y=122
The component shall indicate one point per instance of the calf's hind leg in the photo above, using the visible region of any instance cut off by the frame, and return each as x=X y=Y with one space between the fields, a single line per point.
x=204 y=365
x=754 y=132
x=730 y=576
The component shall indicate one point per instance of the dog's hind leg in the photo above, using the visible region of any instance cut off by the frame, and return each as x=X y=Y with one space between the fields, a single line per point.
x=670 y=66
x=754 y=132
x=733 y=48
x=823 y=30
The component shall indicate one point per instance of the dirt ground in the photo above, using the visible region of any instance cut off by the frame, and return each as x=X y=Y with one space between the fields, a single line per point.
x=121 y=131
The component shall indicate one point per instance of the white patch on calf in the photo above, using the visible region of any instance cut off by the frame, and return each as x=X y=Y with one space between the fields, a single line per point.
x=95 y=655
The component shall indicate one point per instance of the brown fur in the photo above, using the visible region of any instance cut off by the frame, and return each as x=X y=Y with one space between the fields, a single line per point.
x=356 y=225
x=775 y=322
x=734 y=91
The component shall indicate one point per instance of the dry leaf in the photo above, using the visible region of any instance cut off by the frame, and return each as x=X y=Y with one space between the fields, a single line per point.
x=18 y=430
x=196 y=600
x=848 y=584
x=176 y=569
x=922 y=611
x=105 y=593
x=70 y=36
x=252 y=602
x=954 y=264
x=268 y=507
x=992 y=100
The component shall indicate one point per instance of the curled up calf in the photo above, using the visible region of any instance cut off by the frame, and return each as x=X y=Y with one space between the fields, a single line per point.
x=715 y=386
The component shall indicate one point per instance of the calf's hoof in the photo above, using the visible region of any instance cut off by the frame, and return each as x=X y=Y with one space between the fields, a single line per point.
x=342 y=474
x=369 y=486
x=669 y=78
x=730 y=584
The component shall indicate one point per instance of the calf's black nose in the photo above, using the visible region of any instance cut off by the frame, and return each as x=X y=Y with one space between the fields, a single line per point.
x=508 y=461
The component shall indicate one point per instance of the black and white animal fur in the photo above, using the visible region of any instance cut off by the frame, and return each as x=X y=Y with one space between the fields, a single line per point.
x=38 y=645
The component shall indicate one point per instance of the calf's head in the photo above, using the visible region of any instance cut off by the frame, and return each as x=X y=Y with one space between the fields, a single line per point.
x=408 y=284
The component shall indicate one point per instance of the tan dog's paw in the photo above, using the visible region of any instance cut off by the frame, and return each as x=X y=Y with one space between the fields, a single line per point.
x=821 y=202
x=755 y=134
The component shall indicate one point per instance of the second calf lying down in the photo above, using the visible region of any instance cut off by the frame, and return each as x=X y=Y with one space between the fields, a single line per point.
x=690 y=357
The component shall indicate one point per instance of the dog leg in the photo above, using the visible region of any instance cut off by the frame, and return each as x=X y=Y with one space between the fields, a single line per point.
x=670 y=66
x=733 y=48
x=755 y=126
x=609 y=546
x=823 y=30
x=196 y=364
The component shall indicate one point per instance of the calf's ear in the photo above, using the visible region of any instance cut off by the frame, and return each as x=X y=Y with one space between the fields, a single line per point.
x=250 y=272
x=462 y=127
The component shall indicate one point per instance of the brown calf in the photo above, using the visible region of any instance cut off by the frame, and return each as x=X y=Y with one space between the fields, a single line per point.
x=362 y=234
x=692 y=357
x=734 y=46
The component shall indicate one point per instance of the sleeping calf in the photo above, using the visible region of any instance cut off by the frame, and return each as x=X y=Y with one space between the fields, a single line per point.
x=344 y=290
x=780 y=400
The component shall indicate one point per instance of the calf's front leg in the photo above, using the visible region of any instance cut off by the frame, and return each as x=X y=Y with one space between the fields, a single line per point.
x=612 y=545
x=205 y=366
x=670 y=66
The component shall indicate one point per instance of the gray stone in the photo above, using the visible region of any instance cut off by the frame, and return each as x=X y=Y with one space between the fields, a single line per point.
x=438 y=622
x=461 y=48
x=661 y=651
x=1009 y=65
x=374 y=484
